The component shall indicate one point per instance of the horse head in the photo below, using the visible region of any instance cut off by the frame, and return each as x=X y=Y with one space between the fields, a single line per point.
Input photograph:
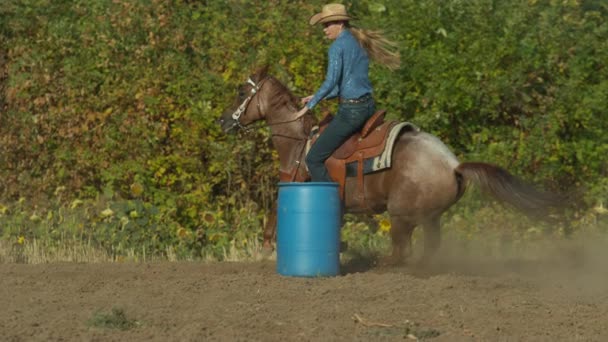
x=246 y=107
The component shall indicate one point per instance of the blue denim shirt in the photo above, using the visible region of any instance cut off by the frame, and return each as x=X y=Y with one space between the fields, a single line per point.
x=347 y=71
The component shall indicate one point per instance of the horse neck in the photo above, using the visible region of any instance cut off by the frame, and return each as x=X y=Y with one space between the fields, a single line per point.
x=289 y=135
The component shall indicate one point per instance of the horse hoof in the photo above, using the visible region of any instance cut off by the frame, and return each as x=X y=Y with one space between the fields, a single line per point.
x=391 y=261
x=266 y=253
x=267 y=250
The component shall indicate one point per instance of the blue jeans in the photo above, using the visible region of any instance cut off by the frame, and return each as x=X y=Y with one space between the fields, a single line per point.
x=350 y=119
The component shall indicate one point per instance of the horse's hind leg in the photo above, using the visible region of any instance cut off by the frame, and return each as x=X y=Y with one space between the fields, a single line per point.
x=401 y=237
x=432 y=238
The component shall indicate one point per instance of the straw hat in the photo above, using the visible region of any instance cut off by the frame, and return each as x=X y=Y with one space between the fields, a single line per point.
x=331 y=12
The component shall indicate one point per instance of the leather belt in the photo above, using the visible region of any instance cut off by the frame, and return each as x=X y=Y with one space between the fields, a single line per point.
x=361 y=99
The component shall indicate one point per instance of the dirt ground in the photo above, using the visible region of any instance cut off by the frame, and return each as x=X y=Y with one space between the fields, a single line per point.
x=560 y=296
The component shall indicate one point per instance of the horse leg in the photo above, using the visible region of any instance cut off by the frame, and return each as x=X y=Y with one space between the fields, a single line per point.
x=401 y=238
x=270 y=231
x=432 y=238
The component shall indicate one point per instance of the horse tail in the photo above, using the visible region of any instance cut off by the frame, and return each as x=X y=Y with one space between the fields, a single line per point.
x=505 y=187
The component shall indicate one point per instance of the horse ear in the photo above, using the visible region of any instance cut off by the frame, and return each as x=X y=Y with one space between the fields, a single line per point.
x=261 y=72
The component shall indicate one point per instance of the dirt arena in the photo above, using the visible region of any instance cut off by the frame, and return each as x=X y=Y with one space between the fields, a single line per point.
x=560 y=296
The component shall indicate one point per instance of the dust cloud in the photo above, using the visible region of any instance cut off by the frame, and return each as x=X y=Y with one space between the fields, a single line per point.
x=577 y=264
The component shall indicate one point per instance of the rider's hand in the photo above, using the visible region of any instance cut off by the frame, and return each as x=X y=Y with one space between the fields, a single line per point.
x=302 y=111
x=306 y=99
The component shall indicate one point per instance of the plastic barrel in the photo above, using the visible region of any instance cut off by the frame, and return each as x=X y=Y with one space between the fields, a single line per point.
x=308 y=231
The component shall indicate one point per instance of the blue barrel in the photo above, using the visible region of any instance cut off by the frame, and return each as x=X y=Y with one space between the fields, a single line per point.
x=308 y=231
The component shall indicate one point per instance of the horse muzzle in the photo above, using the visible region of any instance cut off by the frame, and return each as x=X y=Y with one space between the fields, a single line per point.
x=227 y=125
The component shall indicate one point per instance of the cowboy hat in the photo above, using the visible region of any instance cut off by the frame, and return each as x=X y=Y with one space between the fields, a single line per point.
x=330 y=12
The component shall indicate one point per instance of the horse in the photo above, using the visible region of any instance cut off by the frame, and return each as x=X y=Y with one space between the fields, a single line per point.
x=424 y=180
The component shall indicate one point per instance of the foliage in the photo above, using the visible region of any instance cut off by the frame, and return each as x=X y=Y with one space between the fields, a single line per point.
x=113 y=103
x=116 y=319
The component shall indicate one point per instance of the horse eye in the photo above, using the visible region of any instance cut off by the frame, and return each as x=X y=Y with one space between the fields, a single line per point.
x=241 y=94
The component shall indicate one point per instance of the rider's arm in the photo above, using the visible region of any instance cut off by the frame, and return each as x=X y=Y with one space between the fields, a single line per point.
x=333 y=93
x=329 y=88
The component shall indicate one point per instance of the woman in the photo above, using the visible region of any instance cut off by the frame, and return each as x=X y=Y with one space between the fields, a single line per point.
x=346 y=78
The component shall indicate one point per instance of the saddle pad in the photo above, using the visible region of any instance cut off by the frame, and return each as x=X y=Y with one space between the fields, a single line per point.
x=384 y=160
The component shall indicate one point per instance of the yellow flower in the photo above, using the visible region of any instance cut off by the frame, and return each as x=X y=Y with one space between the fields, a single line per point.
x=182 y=232
x=137 y=189
x=21 y=240
x=208 y=217
x=107 y=213
x=385 y=225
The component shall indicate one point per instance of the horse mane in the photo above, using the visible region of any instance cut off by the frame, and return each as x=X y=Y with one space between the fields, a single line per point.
x=281 y=95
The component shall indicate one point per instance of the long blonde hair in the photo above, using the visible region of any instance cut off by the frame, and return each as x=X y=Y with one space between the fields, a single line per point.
x=378 y=47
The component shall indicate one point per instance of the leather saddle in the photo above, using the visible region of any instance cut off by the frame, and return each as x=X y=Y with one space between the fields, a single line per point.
x=368 y=143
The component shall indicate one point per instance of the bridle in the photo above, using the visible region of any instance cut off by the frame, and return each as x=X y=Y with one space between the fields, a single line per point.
x=255 y=88
x=242 y=109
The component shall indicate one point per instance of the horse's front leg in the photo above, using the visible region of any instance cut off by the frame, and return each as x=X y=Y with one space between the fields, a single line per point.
x=270 y=231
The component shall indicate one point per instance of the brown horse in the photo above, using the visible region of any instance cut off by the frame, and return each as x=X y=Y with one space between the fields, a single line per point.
x=425 y=178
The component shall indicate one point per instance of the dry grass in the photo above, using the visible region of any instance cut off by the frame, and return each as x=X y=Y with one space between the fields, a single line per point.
x=251 y=252
x=37 y=252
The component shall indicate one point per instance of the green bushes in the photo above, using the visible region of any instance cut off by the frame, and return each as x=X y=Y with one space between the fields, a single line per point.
x=105 y=97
